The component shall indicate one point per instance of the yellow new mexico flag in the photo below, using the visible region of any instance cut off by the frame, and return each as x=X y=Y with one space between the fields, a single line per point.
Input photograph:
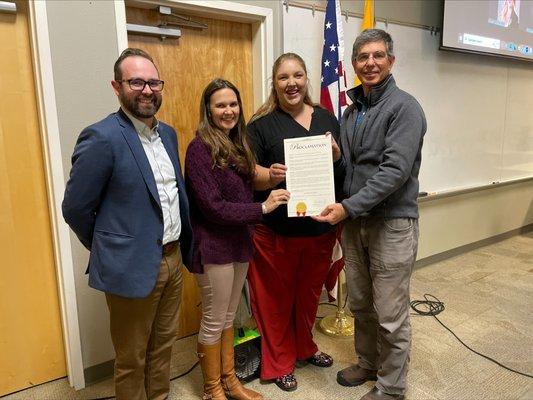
x=368 y=22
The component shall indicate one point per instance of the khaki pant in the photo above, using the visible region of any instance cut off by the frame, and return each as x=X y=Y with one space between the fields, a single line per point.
x=221 y=287
x=379 y=255
x=143 y=332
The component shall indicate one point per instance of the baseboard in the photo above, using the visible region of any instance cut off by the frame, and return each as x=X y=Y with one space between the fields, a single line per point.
x=471 y=246
x=98 y=372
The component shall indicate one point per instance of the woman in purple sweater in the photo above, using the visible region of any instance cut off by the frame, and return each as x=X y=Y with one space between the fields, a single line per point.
x=220 y=174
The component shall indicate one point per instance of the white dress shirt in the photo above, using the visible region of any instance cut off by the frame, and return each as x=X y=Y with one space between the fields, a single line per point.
x=164 y=175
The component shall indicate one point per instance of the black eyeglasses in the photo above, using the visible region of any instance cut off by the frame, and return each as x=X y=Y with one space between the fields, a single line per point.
x=137 y=84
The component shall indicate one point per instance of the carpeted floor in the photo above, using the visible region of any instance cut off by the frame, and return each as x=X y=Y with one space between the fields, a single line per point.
x=488 y=294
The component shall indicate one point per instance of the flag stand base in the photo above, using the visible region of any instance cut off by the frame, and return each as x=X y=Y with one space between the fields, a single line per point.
x=338 y=325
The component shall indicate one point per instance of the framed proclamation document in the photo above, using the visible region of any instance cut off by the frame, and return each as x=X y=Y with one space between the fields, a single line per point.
x=309 y=175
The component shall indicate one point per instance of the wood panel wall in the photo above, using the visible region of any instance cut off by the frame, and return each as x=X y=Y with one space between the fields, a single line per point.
x=187 y=65
x=31 y=341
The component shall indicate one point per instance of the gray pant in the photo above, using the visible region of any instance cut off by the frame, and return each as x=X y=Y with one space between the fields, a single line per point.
x=379 y=255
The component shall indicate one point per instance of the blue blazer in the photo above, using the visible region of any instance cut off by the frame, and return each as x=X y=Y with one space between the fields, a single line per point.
x=111 y=203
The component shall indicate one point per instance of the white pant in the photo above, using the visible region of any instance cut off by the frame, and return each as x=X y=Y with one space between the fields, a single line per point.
x=220 y=287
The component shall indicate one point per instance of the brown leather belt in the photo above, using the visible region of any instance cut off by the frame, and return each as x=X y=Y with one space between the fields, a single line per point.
x=170 y=247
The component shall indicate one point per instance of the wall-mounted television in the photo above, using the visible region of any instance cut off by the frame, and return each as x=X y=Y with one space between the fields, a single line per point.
x=495 y=27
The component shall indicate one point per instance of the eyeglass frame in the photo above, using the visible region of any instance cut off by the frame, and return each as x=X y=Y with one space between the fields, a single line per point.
x=159 y=82
x=373 y=55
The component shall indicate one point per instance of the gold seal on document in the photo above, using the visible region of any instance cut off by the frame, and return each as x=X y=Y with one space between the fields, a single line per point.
x=301 y=209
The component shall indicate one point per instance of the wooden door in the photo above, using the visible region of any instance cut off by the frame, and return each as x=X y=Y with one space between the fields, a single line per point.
x=31 y=342
x=187 y=65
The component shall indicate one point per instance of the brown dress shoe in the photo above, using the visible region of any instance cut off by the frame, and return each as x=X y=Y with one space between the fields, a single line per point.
x=355 y=376
x=376 y=394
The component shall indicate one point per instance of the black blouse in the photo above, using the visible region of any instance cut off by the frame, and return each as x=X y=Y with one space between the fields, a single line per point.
x=267 y=135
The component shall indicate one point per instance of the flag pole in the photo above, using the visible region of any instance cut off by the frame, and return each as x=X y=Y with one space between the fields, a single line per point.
x=333 y=98
x=338 y=324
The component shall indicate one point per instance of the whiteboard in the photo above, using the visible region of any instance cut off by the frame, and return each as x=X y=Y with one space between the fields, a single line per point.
x=479 y=109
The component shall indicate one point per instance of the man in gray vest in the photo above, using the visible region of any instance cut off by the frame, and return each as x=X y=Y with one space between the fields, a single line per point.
x=381 y=139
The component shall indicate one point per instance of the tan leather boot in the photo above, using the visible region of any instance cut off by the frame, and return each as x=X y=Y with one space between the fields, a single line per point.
x=209 y=355
x=230 y=383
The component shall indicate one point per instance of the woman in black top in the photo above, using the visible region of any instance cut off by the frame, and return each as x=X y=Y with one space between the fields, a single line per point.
x=292 y=255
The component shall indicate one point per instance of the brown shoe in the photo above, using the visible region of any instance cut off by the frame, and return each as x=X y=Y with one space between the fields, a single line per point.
x=233 y=388
x=355 y=376
x=376 y=394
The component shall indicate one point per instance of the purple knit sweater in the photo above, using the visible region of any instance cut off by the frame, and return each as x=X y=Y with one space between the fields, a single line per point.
x=222 y=210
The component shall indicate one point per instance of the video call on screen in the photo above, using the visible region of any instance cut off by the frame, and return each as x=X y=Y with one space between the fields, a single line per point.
x=497 y=26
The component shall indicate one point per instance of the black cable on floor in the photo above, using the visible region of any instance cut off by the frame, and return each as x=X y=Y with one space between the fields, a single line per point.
x=431 y=306
x=186 y=372
x=328 y=304
x=332 y=305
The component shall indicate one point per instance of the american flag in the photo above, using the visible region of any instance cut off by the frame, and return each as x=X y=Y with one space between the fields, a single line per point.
x=333 y=80
x=335 y=268
x=333 y=98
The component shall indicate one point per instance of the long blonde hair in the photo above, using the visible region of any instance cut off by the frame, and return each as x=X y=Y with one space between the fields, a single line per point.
x=272 y=102
x=225 y=149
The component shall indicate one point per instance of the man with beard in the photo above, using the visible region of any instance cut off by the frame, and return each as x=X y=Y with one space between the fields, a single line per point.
x=126 y=202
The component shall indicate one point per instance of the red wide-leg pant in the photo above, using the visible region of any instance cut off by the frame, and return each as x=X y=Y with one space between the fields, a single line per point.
x=286 y=276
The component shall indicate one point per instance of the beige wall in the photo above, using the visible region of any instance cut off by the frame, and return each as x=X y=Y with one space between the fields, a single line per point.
x=84 y=47
x=424 y=12
x=276 y=7
x=456 y=221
